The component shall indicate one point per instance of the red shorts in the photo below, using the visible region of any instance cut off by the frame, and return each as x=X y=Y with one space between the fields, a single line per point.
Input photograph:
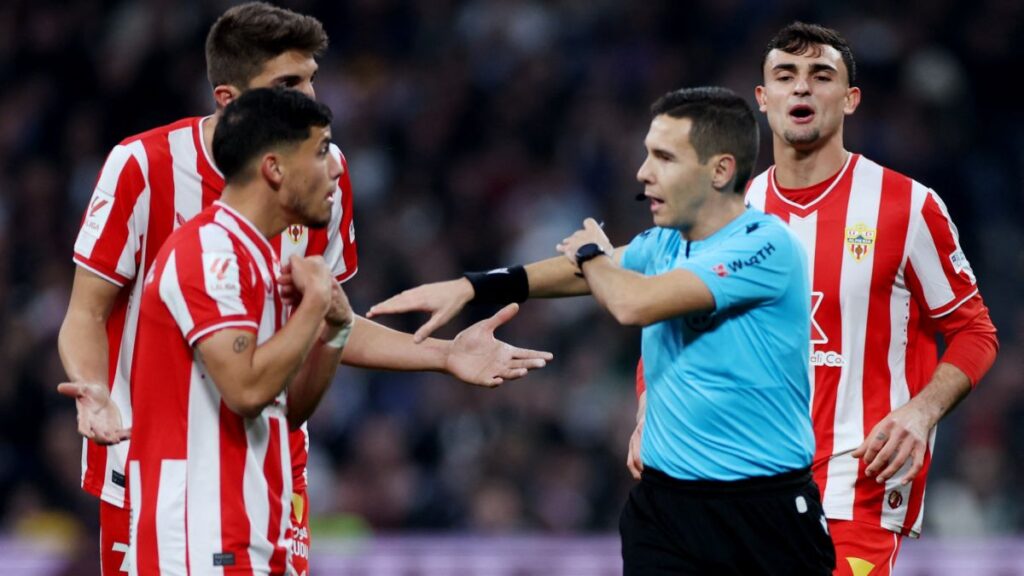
x=299 y=533
x=863 y=549
x=114 y=528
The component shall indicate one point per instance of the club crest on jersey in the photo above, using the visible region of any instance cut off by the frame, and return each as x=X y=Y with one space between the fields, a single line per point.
x=859 y=240
x=895 y=499
x=295 y=233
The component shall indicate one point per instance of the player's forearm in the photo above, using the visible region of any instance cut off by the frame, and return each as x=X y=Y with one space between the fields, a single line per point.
x=313 y=379
x=250 y=388
x=82 y=344
x=555 y=278
x=948 y=386
x=378 y=347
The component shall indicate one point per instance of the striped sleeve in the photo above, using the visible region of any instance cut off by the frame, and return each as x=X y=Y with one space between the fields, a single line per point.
x=340 y=252
x=110 y=236
x=940 y=275
x=208 y=285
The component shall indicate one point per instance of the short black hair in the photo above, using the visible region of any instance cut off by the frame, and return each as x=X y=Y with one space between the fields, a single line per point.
x=723 y=123
x=260 y=120
x=249 y=35
x=799 y=38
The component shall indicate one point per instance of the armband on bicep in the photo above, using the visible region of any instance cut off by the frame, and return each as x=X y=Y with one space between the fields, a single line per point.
x=500 y=286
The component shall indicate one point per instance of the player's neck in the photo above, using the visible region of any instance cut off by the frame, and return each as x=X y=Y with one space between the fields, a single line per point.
x=209 y=127
x=257 y=206
x=796 y=169
x=715 y=215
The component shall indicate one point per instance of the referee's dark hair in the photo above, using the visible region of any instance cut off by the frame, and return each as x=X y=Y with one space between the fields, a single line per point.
x=723 y=123
x=261 y=120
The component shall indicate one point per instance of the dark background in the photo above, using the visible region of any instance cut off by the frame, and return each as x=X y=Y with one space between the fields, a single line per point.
x=479 y=133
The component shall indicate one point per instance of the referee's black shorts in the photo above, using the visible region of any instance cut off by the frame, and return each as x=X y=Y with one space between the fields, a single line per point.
x=767 y=525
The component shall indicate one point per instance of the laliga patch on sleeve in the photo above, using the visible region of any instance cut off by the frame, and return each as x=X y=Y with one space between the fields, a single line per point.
x=960 y=264
x=220 y=272
x=97 y=213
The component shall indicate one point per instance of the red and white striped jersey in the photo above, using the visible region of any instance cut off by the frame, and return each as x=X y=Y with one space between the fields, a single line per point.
x=151 y=184
x=210 y=490
x=885 y=261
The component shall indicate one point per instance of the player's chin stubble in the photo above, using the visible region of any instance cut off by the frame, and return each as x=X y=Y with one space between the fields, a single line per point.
x=794 y=137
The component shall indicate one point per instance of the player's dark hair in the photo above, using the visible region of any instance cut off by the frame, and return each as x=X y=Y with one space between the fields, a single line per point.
x=722 y=123
x=800 y=38
x=247 y=36
x=261 y=120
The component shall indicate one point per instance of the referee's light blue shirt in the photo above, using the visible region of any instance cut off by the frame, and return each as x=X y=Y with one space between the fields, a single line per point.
x=728 y=395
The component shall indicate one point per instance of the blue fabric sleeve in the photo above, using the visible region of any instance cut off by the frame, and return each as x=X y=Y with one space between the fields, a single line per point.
x=638 y=252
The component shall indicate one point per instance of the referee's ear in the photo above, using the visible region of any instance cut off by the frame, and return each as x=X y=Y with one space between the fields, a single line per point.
x=224 y=94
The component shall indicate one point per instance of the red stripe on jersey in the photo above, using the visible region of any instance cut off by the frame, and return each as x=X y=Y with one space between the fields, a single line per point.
x=147 y=556
x=272 y=467
x=946 y=245
x=347 y=235
x=213 y=182
x=161 y=196
x=877 y=382
x=234 y=519
x=111 y=243
x=922 y=349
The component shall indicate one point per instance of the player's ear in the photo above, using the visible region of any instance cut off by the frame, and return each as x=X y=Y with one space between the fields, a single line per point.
x=224 y=94
x=723 y=168
x=762 y=100
x=852 y=100
x=271 y=170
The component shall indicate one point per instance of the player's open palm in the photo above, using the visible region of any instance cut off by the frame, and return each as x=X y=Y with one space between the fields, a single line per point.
x=442 y=300
x=98 y=417
x=477 y=357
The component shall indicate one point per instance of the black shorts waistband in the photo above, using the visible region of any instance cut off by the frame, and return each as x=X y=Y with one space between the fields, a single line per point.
x=786 y=480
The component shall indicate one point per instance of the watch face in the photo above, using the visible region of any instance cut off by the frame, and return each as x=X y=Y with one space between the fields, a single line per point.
x=588 y=252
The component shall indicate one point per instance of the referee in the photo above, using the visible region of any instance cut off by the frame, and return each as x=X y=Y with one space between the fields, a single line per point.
x=722 y=294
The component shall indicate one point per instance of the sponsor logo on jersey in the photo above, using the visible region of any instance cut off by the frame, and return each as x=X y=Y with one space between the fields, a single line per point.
x=220 y=271
x=295 y=233
x=827 y=358
x=720 y=270
x=817 y=334
x=754 y=260
x=859 y=240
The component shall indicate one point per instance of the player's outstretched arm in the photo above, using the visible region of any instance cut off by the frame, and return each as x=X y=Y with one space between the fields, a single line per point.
x=82 y=344
x=551 y=278
x=475 y=356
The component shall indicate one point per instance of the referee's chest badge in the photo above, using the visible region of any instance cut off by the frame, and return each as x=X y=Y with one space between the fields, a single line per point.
x=859 y=240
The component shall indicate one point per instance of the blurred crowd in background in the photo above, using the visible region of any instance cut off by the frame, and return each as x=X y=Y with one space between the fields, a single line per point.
x=480 y=133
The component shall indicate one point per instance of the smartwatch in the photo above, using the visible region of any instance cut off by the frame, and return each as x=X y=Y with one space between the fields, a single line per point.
x=588 y=252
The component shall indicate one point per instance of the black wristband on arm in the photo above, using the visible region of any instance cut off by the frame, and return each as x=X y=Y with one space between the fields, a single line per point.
x=500 y=286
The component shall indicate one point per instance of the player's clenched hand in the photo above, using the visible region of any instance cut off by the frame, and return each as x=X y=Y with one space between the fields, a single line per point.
x=477 y=357
x=98 y=417
x=309 y=277
x=443 y=300
x=900 y=437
